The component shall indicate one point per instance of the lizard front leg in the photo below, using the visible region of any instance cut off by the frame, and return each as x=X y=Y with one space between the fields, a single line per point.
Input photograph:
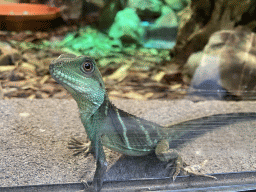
x=164 y=153
x=101 y=167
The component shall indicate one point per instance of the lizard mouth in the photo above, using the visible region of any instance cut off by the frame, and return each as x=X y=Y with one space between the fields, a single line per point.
x=62 y=79
x=54 y=73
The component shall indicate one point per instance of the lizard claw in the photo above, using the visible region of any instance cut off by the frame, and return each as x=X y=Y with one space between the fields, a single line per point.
x=79 y=147
x=180 y=165
x=88 y=188
x=193 y=170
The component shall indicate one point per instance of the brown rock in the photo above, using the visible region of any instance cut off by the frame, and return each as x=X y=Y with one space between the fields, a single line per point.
x=231 y=54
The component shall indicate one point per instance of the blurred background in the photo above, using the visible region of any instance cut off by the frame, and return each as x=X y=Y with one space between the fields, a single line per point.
x=145 y=49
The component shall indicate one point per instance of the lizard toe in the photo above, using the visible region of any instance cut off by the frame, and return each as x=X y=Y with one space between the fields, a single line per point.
x=194 y=170
x=79 y=147
x=177 y=166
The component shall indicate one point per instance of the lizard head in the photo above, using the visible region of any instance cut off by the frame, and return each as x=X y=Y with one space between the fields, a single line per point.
x=80 y=76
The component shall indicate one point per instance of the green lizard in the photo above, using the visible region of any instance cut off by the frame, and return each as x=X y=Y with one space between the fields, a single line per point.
x=116 y=129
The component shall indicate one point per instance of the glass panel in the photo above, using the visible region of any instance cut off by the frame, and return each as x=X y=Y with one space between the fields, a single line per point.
x=167 y=103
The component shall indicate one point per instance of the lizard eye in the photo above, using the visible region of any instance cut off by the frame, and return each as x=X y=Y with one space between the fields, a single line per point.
x=88 y=67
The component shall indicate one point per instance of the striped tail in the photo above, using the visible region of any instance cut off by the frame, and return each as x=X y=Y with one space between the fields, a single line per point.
x=181 y=132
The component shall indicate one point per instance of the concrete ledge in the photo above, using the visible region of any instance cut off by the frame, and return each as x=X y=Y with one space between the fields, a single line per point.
x=34 y=136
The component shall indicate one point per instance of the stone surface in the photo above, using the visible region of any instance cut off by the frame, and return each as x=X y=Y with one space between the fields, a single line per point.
x=34 y=136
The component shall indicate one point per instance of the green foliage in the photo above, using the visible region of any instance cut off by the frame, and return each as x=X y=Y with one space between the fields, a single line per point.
x=127 y=26
x=90 y=42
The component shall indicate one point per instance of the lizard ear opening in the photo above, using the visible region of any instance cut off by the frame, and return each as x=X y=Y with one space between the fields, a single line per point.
x=87 y=67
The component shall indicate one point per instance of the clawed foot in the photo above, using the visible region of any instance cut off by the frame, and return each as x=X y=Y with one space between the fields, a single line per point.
x=193 y=170
x=88 y=188
x=79 y=147
x=180 y=165
x=164 y=153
